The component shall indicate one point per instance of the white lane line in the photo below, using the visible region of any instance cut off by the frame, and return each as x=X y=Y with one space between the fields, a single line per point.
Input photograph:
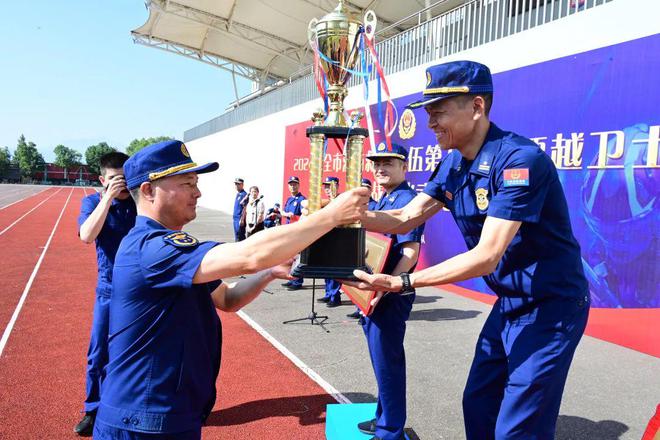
x=334 y=392
x=19 y=306
x=26 y=197
x=24 y=215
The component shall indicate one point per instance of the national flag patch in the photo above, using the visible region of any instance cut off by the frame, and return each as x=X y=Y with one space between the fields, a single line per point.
x=516 y=177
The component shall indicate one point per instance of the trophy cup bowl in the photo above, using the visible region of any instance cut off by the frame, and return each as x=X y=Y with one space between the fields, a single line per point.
x=342 y=250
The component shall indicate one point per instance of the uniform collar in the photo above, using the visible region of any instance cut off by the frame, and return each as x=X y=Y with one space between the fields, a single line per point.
x=142 y=220
x=393 y=195
x=483 y=162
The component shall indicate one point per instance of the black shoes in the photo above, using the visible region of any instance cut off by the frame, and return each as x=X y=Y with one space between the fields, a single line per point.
x=287 y=284
x=332 y=304
x=85 y=428
x=368 y=427
x=294 y=287
x=325 y=299
x=354 y=315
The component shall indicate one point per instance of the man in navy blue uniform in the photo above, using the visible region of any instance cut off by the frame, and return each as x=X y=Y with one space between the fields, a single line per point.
x=508 y=202
x=385 y=328
x=241 y=195
x=372 y=203
x=332 y=297
x=105 y=218
x=292 y=212
x=164 y=334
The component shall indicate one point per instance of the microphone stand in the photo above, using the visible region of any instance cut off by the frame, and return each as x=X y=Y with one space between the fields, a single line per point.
x=313 y=317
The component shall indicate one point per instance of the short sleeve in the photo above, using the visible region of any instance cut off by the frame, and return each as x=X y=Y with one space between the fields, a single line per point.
x=434 y=186
x=166 y=265
x=522 y=184
x=87 y=206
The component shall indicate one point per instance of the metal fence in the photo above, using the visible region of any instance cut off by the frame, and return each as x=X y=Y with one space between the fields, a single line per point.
x=475 y=23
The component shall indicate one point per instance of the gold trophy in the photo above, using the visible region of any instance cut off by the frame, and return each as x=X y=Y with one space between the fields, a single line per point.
x=342 y=250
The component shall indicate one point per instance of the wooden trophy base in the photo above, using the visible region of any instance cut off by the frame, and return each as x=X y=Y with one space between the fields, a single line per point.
x=335 y=255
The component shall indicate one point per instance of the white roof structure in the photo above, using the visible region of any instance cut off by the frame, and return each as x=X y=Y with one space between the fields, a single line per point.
x=263 y=40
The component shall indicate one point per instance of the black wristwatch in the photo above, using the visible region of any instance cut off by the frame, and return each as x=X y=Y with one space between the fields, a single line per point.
x=407 y=285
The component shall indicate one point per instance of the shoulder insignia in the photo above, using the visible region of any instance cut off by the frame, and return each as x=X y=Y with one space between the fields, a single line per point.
x=516 y=177
x=181 y=239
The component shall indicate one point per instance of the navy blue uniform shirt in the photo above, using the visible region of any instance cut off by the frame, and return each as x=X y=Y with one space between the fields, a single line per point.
x=238 y=208
x=164 y=336
x=292 y=205
x=120 y=220
x=396 y=199
x=512 y=178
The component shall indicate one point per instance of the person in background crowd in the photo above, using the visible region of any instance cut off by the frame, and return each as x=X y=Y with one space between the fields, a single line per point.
x=367 y=184
x=105 y=218
x=292 y=212
x=333 y=293
x=273 y=217
x=239 y=226
x=255 y=211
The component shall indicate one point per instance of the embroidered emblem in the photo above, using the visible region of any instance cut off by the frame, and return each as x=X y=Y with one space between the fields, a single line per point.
x=407 y=124
x=482 y=198
x=428 y=79
x=381 y=146
x=184 y=150
x=516 y=177
x=181 y=239
x=449 y=196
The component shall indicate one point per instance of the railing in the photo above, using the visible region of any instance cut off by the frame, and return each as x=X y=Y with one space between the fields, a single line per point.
x=472 y=24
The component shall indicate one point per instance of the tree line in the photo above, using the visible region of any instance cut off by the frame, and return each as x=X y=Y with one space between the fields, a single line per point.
x=29 y=160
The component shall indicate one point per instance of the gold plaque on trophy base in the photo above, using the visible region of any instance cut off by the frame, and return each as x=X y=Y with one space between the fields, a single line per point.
x=378 y=246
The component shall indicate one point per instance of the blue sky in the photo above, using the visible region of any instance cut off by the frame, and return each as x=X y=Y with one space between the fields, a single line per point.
x=70 y=74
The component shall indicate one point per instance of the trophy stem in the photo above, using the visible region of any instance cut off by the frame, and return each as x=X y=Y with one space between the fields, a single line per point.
x=336 y=96
x=315 y=171
x=354 y=166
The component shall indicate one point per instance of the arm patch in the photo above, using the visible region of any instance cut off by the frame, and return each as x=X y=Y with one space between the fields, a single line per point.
x=180 y=239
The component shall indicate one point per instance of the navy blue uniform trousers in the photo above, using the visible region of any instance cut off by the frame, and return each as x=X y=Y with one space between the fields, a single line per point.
x=239 y=231
x=97 y=353
x=519 y=370
x=332 y=291
x=385 y=329
x=106 y=432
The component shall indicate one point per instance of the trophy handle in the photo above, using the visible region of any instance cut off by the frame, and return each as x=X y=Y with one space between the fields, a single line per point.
x=311 y=32
x=370 y=23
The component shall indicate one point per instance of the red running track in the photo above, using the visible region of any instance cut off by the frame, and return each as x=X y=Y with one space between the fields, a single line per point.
x=261 y=394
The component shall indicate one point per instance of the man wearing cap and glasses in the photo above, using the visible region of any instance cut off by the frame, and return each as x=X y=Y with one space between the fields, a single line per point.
x=292 y=212
x=164 y=332
x=241 y=194
x=508 y=203
x=385 y=328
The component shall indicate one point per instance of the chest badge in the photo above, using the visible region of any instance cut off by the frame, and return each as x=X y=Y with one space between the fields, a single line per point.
x=482 y=198
x=181 y=239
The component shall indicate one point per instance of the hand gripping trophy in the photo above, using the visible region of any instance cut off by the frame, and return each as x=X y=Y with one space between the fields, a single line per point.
x=336 y=37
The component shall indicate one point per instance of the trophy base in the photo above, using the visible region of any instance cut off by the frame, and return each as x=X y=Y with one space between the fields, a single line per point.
x=335 y=255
